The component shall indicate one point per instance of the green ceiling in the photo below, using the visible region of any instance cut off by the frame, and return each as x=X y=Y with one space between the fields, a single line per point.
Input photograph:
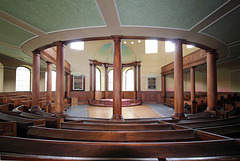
x=105 y=54
x=11 y=34
x=227 y=28
x=53 y=15
x=183 y=14
x=15 y=53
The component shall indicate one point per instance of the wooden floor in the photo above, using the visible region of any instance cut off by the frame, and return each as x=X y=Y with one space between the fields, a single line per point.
x=141 y=111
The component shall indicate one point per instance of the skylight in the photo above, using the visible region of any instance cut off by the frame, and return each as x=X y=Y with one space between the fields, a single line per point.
x=151 y=46
x=169 y=46
x=77 y=45
x=190 y=46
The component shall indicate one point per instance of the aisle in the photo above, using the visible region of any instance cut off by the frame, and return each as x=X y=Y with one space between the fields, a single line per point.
x=141 y=111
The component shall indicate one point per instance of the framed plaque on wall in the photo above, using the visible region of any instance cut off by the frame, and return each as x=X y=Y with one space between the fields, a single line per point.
x=78 y=82
x=152 y=83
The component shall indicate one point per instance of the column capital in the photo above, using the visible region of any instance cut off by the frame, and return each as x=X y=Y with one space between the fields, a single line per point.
x=117 y=38
x=106 y=65
x=178 y=41
x=48 y=62
x=59 y=43
x=36 y=52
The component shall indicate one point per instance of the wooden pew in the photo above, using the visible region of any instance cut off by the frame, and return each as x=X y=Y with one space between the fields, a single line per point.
x=212 y=123
x=225 y=130
x=195 y=120
x=8 y=128
x=216 y=148
x=94 y=121
x=118 y=127
x=7 y=107
x=22 y=123
x=118 y=136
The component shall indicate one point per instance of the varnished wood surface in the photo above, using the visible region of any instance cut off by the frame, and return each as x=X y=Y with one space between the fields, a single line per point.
x=93 y=149
x=111 y=136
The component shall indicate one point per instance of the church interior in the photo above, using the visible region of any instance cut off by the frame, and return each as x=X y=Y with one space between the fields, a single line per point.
x=120 y=80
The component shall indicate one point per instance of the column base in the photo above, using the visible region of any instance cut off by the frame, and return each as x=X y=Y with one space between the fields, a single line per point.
x=35 y=108
x=60 y=114
x=117 y=118
x=211 y=110
x=178 y=115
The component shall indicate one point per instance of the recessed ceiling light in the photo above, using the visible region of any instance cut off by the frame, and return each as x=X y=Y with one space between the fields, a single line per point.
x=125 y=42
x=139 y=41
x=132 y=42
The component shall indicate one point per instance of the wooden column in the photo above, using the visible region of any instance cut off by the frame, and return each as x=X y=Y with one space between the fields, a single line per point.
x=193 y=106
x=60 y=71
x=106 y=80
x=163 y=89
x=94 y=80
x=49 y=86
x=117 y=80
x=211 y=81
x=139 y=77
x=139 y=81
x=68 y=86
x=135 y=80
x=91 y=89
x=36 y=82
x=178 y=80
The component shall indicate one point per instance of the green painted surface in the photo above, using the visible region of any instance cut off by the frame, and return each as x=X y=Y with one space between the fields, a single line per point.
x=53 y=15
x=15 y=53
x=227 y=28
x=13 y=35
x=105 y=53
x=182 y=14
x=19 y=55
x=235 y=50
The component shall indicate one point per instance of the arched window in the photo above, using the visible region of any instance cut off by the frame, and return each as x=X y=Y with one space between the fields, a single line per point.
x=53 y=81
x=23 y=78
x=1 y=76
x=98 y=79
x=129 y=80
x=110 y=80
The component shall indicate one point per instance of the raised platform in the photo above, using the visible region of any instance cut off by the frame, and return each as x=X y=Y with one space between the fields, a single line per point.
x=109 y=102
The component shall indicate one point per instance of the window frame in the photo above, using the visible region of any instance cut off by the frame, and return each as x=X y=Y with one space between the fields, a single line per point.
x=130 y=69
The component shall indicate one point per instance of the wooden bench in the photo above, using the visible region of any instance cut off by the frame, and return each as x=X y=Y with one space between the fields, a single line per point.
x=225 y=130
x=212 y=123
x=117 y=127
x=22 y=123
x=94 y=121
x=8 y=128
x=225 y=147
x=118 y=136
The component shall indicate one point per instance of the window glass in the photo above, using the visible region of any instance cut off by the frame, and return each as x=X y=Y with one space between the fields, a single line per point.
x=110 y=80
x=169 y=46
x=53 y=81
x=23 y=78
x=129 y=76
x=77 y=45
x=98 y=79
x=151 y=46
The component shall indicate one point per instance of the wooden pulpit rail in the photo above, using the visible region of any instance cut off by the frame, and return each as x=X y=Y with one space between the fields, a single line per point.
x=195 y=120
x=226 y=147
x=111 y=136
x=119 y=122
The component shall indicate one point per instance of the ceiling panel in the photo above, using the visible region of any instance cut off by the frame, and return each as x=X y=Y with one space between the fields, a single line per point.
x=15 y=53
x=165 y=13
x=54 y=15
x=11 y=34
x=227 y=28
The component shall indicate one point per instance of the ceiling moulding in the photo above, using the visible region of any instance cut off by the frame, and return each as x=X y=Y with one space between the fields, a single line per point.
x=50 y=56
